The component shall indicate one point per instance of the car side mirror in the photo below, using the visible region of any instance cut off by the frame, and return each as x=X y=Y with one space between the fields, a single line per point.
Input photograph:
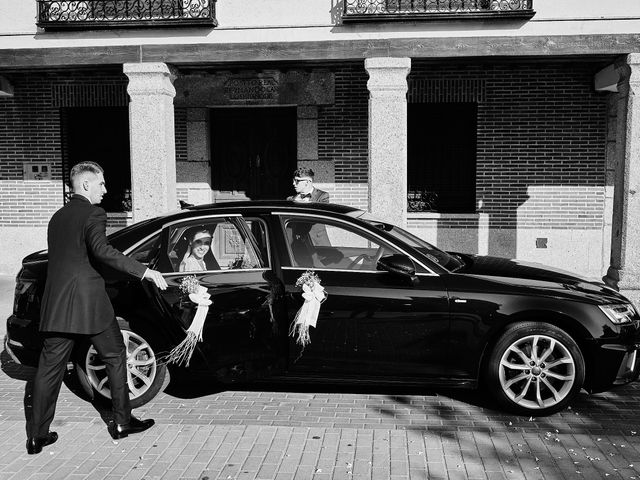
x=398 y=264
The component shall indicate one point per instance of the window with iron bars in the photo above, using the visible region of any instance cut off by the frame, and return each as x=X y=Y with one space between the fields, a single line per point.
x=441 y=157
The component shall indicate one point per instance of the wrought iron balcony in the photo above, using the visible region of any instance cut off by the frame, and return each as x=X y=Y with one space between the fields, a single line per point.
x=90 y=14
x=382 y=10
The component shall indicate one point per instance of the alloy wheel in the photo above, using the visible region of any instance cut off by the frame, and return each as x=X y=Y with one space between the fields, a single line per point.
x=537 y=372
x=141 y=367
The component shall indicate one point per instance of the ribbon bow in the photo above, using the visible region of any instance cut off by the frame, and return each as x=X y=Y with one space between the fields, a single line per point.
x=182 y=353
x=316 y=293
x=307 y=316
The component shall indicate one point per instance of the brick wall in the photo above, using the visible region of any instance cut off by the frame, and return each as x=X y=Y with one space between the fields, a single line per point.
x=540 y=143
x=541 y=138
x=541 y=128
x=343 y=126
x=29 y=126
x=540 y=152
x=353 y=194
x=29 y=203
x=30 y=131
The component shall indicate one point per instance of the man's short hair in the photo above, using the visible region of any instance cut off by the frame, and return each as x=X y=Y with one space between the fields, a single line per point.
x=83 y=167
x=303 y=172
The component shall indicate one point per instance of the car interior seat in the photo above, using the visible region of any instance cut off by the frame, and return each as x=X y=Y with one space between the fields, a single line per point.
x=301 y=246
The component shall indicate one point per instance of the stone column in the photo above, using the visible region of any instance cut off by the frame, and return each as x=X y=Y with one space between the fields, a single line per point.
x=388 y=137
x=194 y=174
x=624 y=271
x=152 y=139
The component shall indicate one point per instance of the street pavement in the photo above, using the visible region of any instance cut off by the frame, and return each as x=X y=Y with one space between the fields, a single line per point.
x=321 y=433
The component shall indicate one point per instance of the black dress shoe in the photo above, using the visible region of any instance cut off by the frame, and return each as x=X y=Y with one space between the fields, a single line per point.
x=35 y=444
x=135 y=425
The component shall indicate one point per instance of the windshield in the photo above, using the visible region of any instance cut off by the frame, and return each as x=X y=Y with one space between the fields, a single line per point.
x=444 y=259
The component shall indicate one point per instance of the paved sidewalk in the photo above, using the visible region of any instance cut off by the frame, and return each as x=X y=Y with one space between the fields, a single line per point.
x=325 y=434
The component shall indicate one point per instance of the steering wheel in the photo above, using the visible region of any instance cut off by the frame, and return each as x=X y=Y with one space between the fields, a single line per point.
x=360 y=258
x=364 y=258
x=378 y=255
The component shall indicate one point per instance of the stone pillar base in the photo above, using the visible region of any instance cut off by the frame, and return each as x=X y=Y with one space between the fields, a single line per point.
x=612 y=278
x=627 y=284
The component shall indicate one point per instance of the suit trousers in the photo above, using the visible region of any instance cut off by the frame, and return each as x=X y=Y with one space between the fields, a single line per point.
x=52 y=364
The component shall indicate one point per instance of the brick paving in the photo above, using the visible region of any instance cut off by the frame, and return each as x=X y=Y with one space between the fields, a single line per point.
x=275 y=432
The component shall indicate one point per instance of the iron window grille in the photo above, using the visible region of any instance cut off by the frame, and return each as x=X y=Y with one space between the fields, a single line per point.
x=91 y=14
x=442 y=157
x=382 y=10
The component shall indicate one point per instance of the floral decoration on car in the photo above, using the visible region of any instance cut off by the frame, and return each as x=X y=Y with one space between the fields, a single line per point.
x=190 y=285
x=314 y=294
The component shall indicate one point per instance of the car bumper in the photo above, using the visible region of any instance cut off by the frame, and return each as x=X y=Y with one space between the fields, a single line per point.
x=617 y=364
x=22 y=342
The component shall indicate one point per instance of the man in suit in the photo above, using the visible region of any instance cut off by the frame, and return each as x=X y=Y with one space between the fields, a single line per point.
x=305 y=191
x=75 y=306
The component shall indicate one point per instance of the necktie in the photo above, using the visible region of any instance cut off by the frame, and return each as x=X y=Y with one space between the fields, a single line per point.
x=305 y=195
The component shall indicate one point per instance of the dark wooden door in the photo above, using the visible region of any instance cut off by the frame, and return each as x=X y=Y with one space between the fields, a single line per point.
x=253 y=152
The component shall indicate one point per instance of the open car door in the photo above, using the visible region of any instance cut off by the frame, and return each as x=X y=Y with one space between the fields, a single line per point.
x=242 y=337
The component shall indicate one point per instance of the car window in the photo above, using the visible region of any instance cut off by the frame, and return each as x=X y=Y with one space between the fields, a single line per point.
x=323 y=244
x=146 y=251
x=210 y=244
x=451 y=262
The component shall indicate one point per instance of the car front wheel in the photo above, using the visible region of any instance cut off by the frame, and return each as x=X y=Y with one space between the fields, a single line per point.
x=145 y=374
x=535 y=368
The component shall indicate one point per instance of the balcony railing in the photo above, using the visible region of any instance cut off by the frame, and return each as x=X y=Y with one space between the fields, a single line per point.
x=89 y=14
x=381 y=10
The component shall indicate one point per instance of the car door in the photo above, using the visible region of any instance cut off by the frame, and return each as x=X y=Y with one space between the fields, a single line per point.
x=241 y=331
x=372 y=323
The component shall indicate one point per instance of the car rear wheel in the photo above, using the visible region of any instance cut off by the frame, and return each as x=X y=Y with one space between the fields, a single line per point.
x=146 y=376
x=535 y=369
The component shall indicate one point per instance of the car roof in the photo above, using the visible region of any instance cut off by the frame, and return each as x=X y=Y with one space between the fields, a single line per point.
x=149 y=225
x=274 y=205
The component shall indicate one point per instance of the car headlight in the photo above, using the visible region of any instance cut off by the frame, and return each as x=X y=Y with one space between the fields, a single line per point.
x=620 y=313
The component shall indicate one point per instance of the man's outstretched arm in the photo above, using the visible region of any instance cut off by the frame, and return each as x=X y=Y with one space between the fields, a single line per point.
x=98 y=246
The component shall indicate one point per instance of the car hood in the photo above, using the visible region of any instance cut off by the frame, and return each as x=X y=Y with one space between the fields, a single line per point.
x=540 y=277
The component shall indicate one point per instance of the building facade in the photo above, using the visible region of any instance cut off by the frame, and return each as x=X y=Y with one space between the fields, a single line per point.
x=501 y=127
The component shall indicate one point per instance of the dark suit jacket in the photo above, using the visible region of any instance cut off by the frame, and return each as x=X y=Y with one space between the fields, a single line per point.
x=317 y=195
x=75 y=299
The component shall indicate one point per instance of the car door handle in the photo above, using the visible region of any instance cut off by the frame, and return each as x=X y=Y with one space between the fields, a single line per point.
x=459 y=300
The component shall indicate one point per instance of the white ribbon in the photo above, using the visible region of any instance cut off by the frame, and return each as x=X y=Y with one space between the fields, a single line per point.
x=183 y=352
x=307 y=316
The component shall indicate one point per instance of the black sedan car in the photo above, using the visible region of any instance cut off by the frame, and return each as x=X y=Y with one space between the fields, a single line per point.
x=398 y=310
